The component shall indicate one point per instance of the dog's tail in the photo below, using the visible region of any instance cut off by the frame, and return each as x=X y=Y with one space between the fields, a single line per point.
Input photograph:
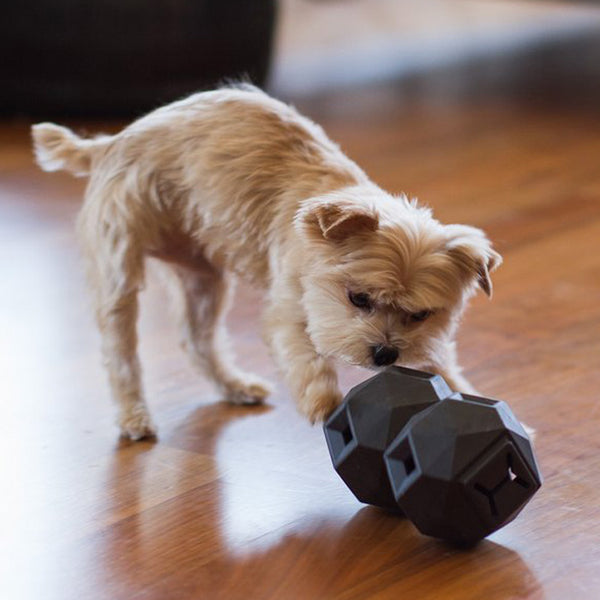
x=58 y=148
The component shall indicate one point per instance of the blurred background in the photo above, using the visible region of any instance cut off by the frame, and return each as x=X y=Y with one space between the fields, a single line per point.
x=323 y=45
x=124 y=58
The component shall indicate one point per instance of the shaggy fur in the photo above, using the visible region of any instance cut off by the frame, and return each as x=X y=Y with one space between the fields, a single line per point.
x=234 y=183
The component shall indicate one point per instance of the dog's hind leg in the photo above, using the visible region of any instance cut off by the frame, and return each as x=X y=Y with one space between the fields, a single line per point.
x=117 y=321
x=115 y=270
x=204 y=294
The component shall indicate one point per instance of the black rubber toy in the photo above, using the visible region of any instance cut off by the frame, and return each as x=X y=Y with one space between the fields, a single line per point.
x=458 y=466
x=371 y=416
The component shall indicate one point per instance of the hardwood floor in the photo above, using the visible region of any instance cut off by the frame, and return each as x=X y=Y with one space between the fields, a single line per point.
x=243 y=502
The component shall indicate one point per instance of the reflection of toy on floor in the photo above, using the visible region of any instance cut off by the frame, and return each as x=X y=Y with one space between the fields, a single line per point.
x=459 y=467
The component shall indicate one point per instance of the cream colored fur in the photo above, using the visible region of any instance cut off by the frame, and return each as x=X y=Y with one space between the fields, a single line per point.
x=232 y=183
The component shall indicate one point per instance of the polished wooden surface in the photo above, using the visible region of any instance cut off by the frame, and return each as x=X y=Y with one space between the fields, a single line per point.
x=243 y=502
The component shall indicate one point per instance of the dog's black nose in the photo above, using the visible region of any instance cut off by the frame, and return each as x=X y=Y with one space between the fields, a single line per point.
x=384 y=355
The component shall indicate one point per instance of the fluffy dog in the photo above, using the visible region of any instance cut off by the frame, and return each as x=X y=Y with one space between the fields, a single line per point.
x=233 y=183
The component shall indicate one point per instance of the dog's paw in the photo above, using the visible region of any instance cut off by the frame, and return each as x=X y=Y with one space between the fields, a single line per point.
x=137 y=426
x=318 y=405
x=250 y=390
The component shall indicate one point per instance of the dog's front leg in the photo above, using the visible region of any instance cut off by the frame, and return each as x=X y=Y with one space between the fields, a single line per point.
x=454 y=378
x=442 y=360
x=310 y=376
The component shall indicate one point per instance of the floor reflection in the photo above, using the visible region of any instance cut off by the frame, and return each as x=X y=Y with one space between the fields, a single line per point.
x=240 y=527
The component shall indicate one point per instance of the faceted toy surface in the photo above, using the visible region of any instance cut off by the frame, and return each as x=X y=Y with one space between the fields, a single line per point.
x=370 y=417
x=462 y=469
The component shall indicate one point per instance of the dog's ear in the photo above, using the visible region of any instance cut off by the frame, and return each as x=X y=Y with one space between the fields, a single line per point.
x=473 y=253
x=336 y=221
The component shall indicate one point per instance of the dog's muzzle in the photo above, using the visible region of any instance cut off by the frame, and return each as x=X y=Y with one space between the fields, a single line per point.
x=384 y=355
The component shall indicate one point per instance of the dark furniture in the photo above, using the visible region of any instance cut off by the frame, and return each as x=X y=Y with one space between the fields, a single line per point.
x=126 y=57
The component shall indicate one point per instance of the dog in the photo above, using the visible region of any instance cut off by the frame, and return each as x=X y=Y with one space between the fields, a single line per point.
x=232 y=183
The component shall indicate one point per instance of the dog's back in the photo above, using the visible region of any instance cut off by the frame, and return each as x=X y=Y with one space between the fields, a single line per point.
x=215 y=166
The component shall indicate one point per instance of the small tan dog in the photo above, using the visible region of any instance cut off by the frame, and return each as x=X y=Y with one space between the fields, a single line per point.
x=234 y=183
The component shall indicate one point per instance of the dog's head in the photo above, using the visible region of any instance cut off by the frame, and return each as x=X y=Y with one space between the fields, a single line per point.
x=382 y=278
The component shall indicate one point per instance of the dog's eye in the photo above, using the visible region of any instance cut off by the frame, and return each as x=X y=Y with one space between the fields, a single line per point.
x=420 y=316
x=360 y=300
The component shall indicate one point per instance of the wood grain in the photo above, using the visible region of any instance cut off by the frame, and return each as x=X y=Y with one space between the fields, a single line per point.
x=243 y=502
